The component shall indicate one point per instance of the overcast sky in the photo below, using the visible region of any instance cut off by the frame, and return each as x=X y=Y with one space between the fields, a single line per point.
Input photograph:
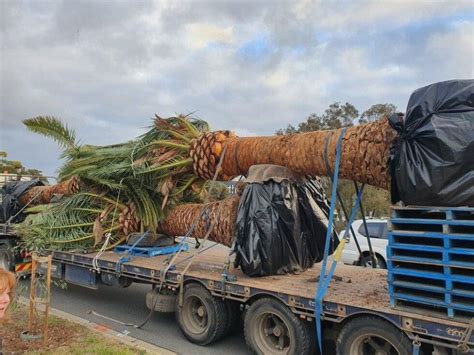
x=105 y=67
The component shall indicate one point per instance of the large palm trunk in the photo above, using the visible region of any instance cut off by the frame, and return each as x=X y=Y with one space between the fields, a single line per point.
x=43 y=194
x=365 y=158
x=220 y=216
x=365 y=153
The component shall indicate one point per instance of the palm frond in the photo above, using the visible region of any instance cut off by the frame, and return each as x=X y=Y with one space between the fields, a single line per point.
x=149 y=173
x=52 y=127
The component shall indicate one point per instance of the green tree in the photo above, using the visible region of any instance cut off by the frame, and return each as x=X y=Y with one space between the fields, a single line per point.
x=15 y=166
x=376 y=112
x=312 y=123
x=335 y=116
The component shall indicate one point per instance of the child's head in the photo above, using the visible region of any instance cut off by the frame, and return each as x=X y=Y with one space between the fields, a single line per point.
x=7 y=286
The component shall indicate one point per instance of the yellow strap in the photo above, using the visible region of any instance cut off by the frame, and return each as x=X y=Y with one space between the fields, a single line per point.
x=340 y=248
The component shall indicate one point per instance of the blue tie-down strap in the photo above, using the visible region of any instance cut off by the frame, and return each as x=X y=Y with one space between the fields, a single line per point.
x=318 y=305
x=416 y=346
x=146 y=252
x=151 y=251
x=325 y=279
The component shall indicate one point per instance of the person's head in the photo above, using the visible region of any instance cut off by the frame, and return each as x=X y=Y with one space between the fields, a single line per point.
x=7 y=286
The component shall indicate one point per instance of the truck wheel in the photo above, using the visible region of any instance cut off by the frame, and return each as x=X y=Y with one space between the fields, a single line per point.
x=202 y=318
x=271 y=328
x=7 y=259
x=163 y=302
x=372 y=335
x=233 y=314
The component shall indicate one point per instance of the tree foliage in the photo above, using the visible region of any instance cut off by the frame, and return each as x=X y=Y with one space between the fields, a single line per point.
x=335 y=116
x=135 y=179
x=376 y=112
x=16 y=167
x=51 y=127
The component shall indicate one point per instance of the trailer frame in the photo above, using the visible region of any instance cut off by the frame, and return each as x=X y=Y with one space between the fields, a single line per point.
x=78 y=269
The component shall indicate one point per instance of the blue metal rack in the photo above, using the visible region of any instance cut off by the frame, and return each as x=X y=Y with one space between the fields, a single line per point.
x=431 y=260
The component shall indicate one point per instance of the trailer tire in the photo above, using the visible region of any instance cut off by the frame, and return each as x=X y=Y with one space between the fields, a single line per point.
x=233 y=314
x=163 y=302
x=7 y=258
x=364 y=334
x=271 y=328
x=202 y=318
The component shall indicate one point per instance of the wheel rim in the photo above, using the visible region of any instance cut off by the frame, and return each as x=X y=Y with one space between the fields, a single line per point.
x=368 y=263
x=195 y=315
x=372 y=344
x=272 y=334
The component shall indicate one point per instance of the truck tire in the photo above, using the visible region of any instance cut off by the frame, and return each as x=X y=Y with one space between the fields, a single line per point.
x=202 y=318
x=234 y=316
x=271 y=328
x=162 y=302
x=372 y=335
x=7 y=258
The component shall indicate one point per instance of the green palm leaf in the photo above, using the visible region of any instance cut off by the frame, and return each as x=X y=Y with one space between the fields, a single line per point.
x=52 y=127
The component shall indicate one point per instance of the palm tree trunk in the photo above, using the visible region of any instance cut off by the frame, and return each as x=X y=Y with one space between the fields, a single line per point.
x=365 y=158
x=43 y=194
x=365 y=153
x=222 y=214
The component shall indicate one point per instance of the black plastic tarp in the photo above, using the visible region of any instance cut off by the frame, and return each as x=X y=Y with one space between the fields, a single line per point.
x=10 y=193
x=281 y=227
x=432 y=161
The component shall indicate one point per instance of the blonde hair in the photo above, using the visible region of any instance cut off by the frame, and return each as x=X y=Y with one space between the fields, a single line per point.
x=7 y=282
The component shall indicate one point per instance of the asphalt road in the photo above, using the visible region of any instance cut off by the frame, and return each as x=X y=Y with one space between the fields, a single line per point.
x=128 y=306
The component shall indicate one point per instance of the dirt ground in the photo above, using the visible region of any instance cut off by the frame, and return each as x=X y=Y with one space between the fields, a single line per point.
x=64 y=337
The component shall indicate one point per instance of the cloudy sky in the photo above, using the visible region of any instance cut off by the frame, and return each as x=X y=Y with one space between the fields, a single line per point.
x=105 y=67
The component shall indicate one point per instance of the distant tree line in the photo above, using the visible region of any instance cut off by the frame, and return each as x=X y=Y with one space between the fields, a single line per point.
x=15 y=167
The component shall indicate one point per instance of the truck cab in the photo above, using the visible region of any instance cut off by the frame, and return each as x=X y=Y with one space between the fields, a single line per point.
x=11 y=258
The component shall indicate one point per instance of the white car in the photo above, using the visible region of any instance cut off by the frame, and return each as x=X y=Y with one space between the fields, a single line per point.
x=378 y=237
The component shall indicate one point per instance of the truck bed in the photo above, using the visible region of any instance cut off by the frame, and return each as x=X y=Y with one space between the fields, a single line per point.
x=350 y=285
x=352 y=289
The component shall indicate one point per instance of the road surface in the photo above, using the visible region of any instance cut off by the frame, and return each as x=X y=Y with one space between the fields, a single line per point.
x=128 y=306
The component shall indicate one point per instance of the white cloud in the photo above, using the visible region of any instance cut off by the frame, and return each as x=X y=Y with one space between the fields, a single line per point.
x=454 y=51
x=200 y=35
x=277 y=79
x=389 y=14
x=107 y=67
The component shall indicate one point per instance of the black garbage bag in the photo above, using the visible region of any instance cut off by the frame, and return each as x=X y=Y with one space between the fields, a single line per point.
x=281 y=226
x=11 y=192
x=432 y=162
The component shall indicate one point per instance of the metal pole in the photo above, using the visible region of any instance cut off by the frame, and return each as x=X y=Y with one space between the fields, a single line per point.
x=32 y=293
x=371 y=251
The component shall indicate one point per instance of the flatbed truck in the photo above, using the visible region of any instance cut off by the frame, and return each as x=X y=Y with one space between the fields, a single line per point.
x=278 y=311
x=402 y=310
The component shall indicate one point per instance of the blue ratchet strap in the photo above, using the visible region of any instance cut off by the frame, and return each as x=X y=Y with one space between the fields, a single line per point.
x=318 y=305
x=322 y=290
x=125 y=258
x=416 y=348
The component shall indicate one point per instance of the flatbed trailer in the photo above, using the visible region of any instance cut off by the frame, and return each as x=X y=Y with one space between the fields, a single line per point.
x=357 y=299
